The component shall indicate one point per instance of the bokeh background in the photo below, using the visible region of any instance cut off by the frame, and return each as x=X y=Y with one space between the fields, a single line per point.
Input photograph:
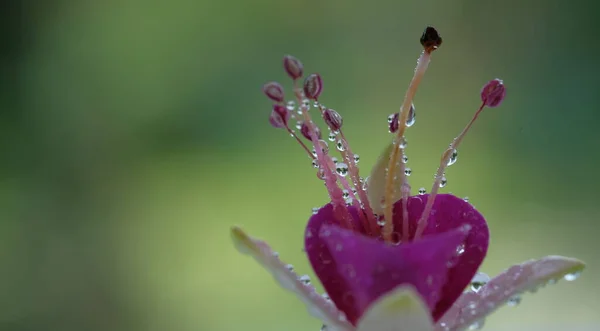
x=133 y=134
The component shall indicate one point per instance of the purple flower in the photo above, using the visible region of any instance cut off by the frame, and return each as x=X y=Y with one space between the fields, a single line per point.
x=389 y=260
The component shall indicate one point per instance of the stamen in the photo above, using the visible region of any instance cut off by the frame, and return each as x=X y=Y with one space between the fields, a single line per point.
x=492 y=95
x=325 y=162
x=430 y=42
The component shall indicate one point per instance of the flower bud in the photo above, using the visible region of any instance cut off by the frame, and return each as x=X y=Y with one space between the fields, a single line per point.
x=333 y=119
x=313 y=85
x=493 y=93
x=306 y=130
x=293 y=66
x=279 y=117
x=274 y=91
x=431 y=39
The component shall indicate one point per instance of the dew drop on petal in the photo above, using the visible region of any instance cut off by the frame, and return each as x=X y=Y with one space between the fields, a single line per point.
x=460 y=249
x=478 y=325
x=315 y=210
x=478 y=281
x=572 y=276
x=466 y=199
x=514 y=301
x=341 y=168
x=422 y=191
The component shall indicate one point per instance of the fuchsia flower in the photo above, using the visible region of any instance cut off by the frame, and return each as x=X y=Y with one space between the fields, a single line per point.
x=389 y=260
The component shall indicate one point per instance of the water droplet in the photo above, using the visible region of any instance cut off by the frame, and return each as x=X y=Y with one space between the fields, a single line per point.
x=331 y=136
x=299 y=125
x=404 y=158
x=460 y=249
x=340 y=145
x=478 y=325
x=306 y=104
x=365 y=183
x=356 y=158
x=275 y=254
x=478 y=281
x=289 y=267
x=305 y=279
x=391 y=118
x=334 y=160
x=453 y=158
x=410 y=120
x=326 y=296
x=291 y=105
x=403 y=143
x=572 y=276
x=315 y=163
x=316 y=104
x=324 y=327
x=345 y=194
x=381 y=222
x=466 y=199
x=422 y=191
x=341 y=168
x=443 y=182
x=315 y=210
x=408 y=171
x=514 y=300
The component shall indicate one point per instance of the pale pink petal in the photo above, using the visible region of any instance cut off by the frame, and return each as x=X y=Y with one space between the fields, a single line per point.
x=401 y=309
x=317 y=306
x=529 y=276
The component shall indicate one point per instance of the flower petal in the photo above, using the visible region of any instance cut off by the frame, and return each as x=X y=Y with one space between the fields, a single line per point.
x=528 y=276
x=316 y=304
x=401 y=309
x=355 y=269
x=448 y=213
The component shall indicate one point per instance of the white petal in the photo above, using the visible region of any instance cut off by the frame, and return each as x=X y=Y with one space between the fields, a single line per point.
x=401 y=309
x=528 y=276
x=315 y=303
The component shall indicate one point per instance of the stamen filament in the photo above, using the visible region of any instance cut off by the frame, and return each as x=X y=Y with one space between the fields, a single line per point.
x=366 y=210
x=440 y=173
x=335 y=193
x=300 y=142
x=422 y=64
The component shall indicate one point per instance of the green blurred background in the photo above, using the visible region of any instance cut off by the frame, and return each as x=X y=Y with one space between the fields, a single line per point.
x=134 y=134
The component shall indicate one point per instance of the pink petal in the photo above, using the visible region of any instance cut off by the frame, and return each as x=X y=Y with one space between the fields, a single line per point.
x=450 y=212
x=450 y=278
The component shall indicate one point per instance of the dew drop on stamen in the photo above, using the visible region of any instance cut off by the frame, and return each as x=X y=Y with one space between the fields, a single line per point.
x=356 y=158
x=422 y=191
x=305 y=279
x=340 y=145
x=334 y=160
x=404 y=158
x=291 y=105
x=410 y=121
x=341 y=168
x=315 y=163
x=391 y=118
x=289 y=267
x=460 y=249
x=315 y=210
x=299 y=125
x=331 y=136
x=403 y=143
x=324 y=328
x=408 y=171
x=306 y=104
x=453 y=158
x=478 y=281
x=345 y=194
x=443 y=182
